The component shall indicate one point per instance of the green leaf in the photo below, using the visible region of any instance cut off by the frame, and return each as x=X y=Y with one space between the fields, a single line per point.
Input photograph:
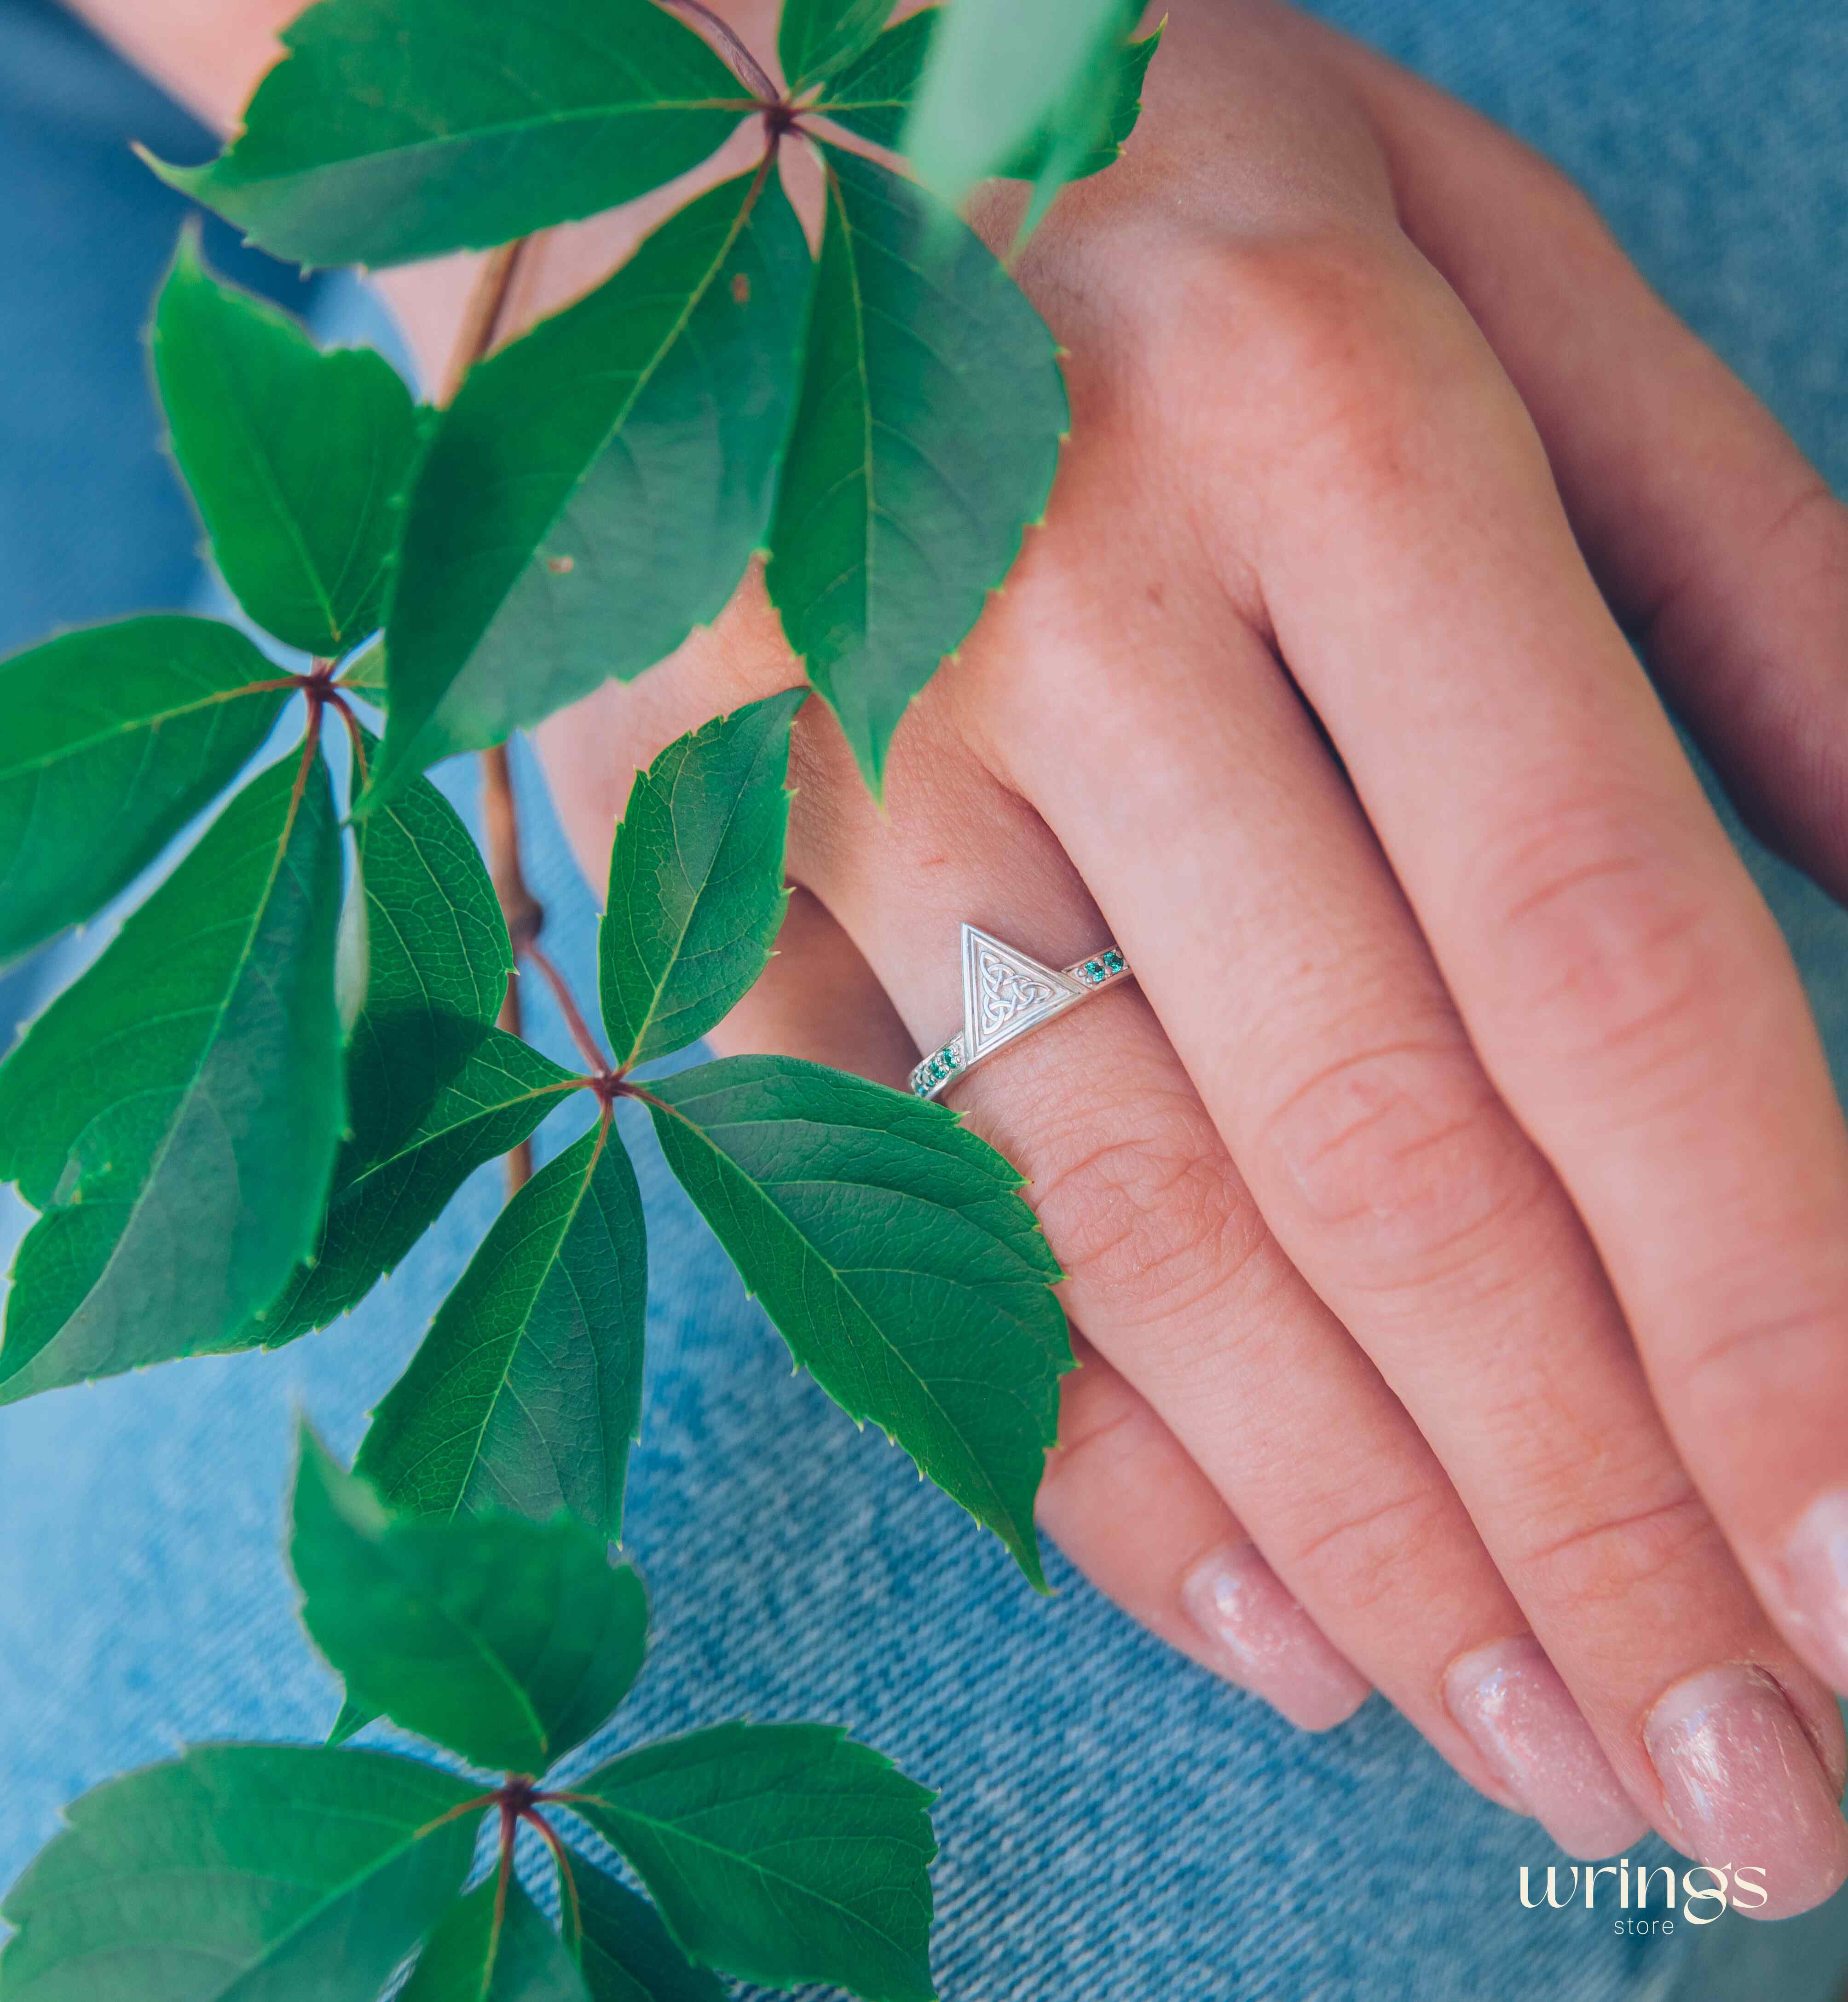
x=298 y=460
x=509 y=1642
x=399 y=129
x=998 y=78
x=440 y=959
x=1085 y=130
x=696 y=895
x=353 y=1718
x=434 y=1090
x=628 y=1955
x=874 y=95
x=779 y=1852
x=174 y=1114
x=383 y=1204
x=597 y=488
x=527 y=1391
x=816 y=37
x=115 y=738
x=1093 y=130
x=929 y=431
x=365 y=674
x=467 y=1960
x=352 y=951
x=239 y=1870
x=892 y=1249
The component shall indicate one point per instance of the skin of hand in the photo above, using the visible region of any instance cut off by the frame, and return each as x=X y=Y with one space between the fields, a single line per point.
x=1504 y=1371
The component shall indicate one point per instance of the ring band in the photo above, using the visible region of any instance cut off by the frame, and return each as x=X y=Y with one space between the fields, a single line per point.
x=1007 y=994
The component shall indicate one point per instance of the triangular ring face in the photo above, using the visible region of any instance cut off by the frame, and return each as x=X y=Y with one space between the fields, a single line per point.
x=1006 y=993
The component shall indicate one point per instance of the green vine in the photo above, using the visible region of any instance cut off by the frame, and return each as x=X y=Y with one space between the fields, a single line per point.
x=304 y=1037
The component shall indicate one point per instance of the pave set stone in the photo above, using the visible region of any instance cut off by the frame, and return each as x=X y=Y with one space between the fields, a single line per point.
x=938 y=1068
x=1106 y=966
x=935 y=1071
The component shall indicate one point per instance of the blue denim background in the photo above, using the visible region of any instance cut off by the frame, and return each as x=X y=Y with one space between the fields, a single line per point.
x=1115 y=1824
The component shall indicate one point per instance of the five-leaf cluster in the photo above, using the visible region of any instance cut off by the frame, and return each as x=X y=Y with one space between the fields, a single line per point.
x=887 y=419
x=780 y=1853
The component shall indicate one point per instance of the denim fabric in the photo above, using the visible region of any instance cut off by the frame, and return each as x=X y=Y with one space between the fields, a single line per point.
x=1115 y=1823
x=90 y=521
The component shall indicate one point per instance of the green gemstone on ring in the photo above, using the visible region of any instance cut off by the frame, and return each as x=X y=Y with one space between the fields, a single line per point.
x=1093 y=971
x=1113 y=961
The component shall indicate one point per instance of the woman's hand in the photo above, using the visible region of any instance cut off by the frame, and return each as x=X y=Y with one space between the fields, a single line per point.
x=1454 y=1210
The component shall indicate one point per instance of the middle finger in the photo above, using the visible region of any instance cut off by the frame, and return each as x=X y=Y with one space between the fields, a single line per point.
x=1283 y=963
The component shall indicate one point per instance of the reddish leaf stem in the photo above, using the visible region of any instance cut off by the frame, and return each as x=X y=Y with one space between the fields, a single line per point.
x=549 y=1835
x=587 y=1045
x=311 y=744
x=487 y=308
x=481 y=1800
x=510 y=1822
x=746 y=65
x=523 y=912
x=258 y=687
x=338 y=702
x=482 y=318
x=623 y=1089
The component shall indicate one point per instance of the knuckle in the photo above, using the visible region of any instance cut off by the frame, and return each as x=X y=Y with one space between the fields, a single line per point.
x=1402 y=1158
x=1152 y=1217
x=1363 y=1555
x=1764 y=1361
x=1639 y=1549
x=1100 y=1434
x=1603 y=939
x=1557 y=201
x=1803 y=542
x=1347 y=348
x=1814 y=522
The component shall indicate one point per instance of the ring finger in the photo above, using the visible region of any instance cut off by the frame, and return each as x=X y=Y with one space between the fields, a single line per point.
x=1174 y=1278
x=1121 y=1495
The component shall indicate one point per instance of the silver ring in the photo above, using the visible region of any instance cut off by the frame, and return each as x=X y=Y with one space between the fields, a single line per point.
x=1007 y=994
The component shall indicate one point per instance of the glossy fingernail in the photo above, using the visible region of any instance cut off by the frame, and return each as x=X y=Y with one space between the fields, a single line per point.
x=1744 y=1787
x=1258 y=1637
x=1509 y=1700
x=1816 y=1585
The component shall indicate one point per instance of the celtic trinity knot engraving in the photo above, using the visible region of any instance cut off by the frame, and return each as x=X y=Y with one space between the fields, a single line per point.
x=1007 y=990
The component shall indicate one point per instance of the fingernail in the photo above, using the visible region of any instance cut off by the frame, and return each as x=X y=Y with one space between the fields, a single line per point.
x=1816 y=1581
x=1259 y=1638
x=1743 y=1787
x=1509 y=1701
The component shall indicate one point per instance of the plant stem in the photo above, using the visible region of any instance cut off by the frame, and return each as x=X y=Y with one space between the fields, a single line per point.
x=742 y=60
x=568 y=1882
x=487 y=1800
x=334 y=700
x=510 y=1822
x=481 y=320
x=587 y=1046
x=523 y=912
x=623 y=1089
